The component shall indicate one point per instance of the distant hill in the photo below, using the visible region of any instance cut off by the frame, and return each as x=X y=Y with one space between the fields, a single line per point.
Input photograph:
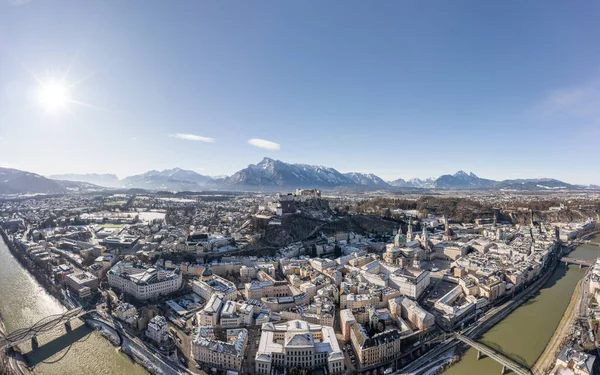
x=462 y=180
x=175 y=179
x=107 y=180
x=14 y=181
x=267 y=175
x=170 y=179
x=534 y=184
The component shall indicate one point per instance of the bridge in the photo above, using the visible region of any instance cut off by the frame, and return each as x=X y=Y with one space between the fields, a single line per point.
x=580 y=262
x=507 y=363
x=44 y=325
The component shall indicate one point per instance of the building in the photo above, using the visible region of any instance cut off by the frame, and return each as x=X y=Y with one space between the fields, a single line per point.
x=573 y=362
x=209 y=315
x=266 y=289
x=82 y=283
x=346 y=321
x=222 y=354
x=410 y=282
x=381 y=347
x=412 y=312
x=157 y=330
x=143 y=282
x=298 y=344
x=210 y=284
x=126 y=312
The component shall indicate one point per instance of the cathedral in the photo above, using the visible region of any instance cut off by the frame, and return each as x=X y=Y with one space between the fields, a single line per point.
x=408 y=250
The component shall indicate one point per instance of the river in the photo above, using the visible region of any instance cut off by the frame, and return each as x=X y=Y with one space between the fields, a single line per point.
x=527 y=330
x=83 y=351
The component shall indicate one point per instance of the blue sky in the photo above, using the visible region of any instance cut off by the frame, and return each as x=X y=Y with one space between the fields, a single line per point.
x=402 y=89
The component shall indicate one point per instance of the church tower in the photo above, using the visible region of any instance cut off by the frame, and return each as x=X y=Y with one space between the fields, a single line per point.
x=409 y=233
x=425 y=239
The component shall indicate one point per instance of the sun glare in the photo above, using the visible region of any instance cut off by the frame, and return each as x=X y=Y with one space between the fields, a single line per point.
x=53 y=96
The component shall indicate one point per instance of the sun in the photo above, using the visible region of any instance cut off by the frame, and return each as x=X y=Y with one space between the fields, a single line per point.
x=53 y=96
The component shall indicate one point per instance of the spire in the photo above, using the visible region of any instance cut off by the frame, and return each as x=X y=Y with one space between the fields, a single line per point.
x=409 y=233
x=425 y=239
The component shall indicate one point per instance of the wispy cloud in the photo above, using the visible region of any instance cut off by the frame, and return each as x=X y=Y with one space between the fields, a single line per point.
x=263 y=143
x=192 y=137
x=18 y=2
x=581 y=101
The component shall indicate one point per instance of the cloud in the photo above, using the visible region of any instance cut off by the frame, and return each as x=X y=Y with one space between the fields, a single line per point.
x=263 y=143
x=18 y=2
x=575 y=102
x=192 y=137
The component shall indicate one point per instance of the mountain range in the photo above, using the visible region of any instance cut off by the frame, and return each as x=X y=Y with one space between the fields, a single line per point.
x=14 y=181
x=267 y=175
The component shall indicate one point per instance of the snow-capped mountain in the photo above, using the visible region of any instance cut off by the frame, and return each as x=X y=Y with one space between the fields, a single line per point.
x=413 y=183
x=271 y=173
x=366 y=179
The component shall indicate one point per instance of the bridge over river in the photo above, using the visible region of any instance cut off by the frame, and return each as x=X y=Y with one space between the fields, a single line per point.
x=506 y=362
x=580 y=262
x=43 y=325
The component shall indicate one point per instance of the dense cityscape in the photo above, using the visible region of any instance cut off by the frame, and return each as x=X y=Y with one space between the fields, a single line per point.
x=303 y=282
x=297 y=187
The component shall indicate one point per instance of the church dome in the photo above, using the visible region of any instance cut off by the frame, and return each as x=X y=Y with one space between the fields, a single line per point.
x=207 y=272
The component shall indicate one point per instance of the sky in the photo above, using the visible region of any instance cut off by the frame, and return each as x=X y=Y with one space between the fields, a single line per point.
x=405 y=89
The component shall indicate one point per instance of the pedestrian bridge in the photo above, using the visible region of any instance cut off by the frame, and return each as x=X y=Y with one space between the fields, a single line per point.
x=580 y=262
x=46 y=324
x=506 y=362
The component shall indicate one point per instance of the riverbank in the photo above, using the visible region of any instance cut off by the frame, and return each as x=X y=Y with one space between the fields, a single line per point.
x=27 y=297
x=30 y=267
x=526 y=331
x=546 y=360
x=487 y=322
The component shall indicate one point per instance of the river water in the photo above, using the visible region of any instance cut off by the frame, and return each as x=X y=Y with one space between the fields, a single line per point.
x=83 y=351
x=527 y=330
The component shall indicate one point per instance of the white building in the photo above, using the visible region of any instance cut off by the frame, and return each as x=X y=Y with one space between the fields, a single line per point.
x=299 y=344
x=224 y=354
x=208 y=285
x=126 y=312
x=209 y=315
x=157 y=330
x=143 y=282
